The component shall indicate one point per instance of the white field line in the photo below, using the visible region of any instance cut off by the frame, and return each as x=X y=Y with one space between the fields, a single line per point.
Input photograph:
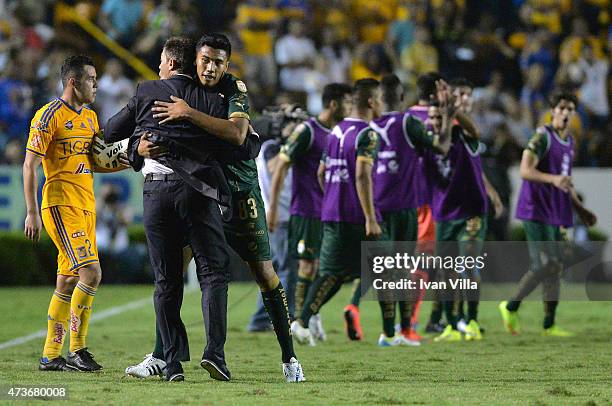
x=104 y=314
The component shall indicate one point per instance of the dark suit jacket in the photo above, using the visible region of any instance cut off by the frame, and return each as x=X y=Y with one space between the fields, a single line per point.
x=194 y=154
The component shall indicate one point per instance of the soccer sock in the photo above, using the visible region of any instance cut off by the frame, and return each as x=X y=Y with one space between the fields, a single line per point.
x=387 y=309
x=322 y=289
x=460 y=310
x=80 y=310
x=419 y=294
x=550 y=309
x=275 y=302
x=436 y=312
x=527 y=284
x=405 y=309
x=301 y=292
x=449 y=307
x=356 y=297
x=473 y=299
x=57 y=323
x=158 y=351
x=472 y=310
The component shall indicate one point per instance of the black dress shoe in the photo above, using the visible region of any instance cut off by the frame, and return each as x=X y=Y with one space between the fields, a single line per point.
x=217 y=371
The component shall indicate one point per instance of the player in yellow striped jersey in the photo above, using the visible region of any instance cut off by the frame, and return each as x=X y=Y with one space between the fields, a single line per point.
x=61 y=135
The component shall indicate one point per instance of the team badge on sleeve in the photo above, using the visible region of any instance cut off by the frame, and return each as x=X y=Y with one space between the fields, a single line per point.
x=35 y=141
x=241 y=86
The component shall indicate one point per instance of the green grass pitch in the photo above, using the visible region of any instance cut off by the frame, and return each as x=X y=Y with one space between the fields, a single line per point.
x=528 y=369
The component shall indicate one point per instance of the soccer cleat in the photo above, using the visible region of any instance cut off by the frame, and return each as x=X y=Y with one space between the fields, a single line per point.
x=434 y=328
x=511 y=320
x=410 y=334
x=351 y=323
x=472 y=331
x=83 y=361
x=448 y=335
x=403 y=340
x=316 y=328
x=555 y=331
x=293 y=371
x=56 y=364
x=150 y=366
x=384 y=341
x=216 y=371
x=302 y=335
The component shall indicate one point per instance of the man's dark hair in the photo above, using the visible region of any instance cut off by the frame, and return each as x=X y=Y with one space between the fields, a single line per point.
x=426 y=85
x=562 y=95
x=389 y=84
x=180 y=49
x=217 y=41
x=363 y=90
x=335 y=91
x=74 y=66
x=461 y=82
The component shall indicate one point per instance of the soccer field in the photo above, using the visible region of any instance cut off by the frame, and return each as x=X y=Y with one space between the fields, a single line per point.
x=527 y=369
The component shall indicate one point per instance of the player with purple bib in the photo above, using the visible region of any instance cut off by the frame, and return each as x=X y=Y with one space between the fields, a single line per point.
x=348 y=212
x=545 y=205
x=459 y=207
x=302 y=152
x=403 y=139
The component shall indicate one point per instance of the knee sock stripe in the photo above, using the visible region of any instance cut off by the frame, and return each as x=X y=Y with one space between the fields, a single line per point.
x=64 y=298
x=57 y=220
x=87 y=289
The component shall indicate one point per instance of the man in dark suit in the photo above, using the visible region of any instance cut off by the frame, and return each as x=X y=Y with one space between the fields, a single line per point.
x=184 y=194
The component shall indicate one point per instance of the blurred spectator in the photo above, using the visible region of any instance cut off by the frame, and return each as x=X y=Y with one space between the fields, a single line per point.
x=545 y=13
x=257 y=22
x=161 y=22
x=120 y=19
x=298 y=9
x=592 y=74
x=538 y=51
x=114 y=91
x=123 y=261
x=533 y=99
x=571 y=47
x=503 y=151
x=337 y=56
x=373 y=19
x=371 y=61
x=314 y=81
x=421 y=56
x=16 y=96
x=112 y=219
x=14 y=152
x=295 y=54
x=520 y=129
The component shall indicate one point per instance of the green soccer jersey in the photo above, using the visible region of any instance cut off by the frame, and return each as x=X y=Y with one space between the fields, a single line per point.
x=241 y=176
x=417 y=134
x=538 y=144
x=297 y=144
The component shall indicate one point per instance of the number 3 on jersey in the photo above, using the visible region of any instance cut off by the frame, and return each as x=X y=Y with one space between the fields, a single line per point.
x=247 y=208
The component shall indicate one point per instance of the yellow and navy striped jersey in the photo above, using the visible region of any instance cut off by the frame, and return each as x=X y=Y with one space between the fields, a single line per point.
x=63 y=136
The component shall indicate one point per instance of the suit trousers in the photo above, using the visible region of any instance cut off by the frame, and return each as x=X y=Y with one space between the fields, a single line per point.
x=174 y=212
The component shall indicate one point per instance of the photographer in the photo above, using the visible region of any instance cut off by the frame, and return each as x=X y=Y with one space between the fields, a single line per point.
x=276 y=124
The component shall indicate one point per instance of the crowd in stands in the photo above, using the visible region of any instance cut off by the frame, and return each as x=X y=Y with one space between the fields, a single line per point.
x=515 y=52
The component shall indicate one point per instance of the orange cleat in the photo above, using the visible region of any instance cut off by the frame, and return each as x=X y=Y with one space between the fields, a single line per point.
x=351 y=323
x=411 y=335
